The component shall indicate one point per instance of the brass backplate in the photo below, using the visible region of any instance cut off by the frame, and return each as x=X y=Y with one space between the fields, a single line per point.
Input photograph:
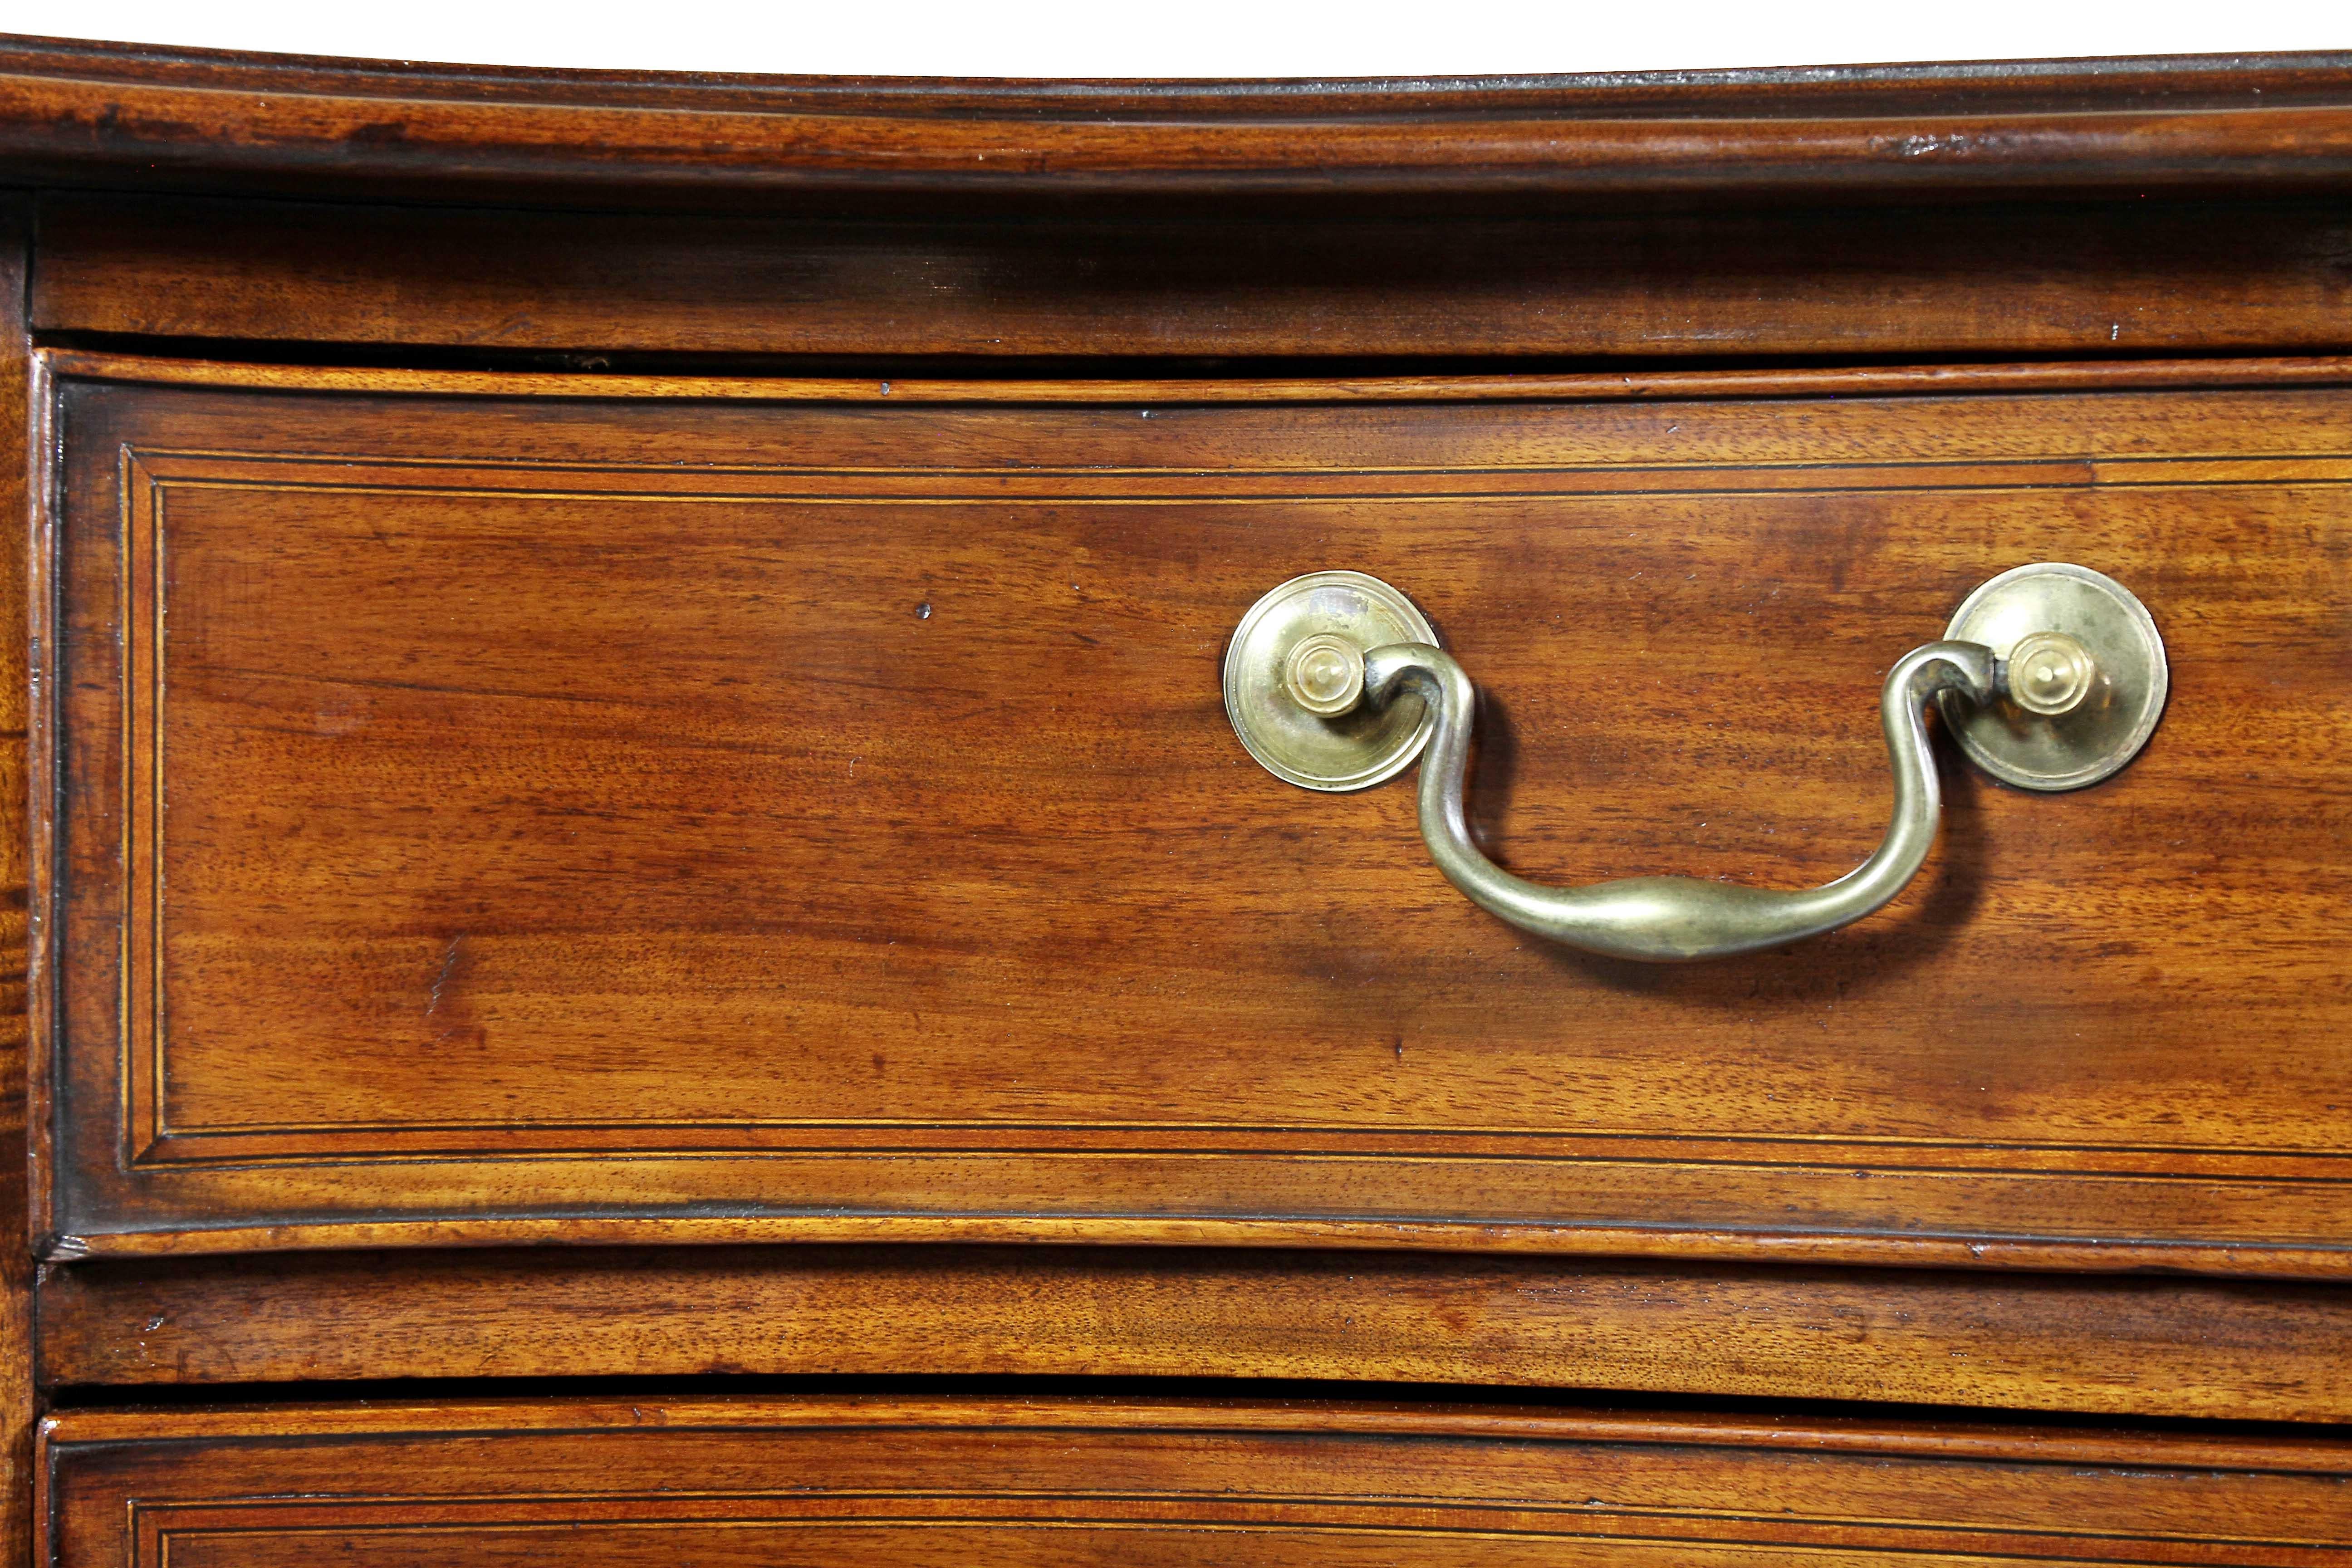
x=1348 y=750
x=2114 y=717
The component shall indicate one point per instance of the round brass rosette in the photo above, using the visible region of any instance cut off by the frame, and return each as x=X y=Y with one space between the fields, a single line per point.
x=2086 y=669
x=1291 y=655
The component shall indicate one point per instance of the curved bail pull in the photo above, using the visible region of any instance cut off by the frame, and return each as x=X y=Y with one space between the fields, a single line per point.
x=2053 y=676
x=1665 y=918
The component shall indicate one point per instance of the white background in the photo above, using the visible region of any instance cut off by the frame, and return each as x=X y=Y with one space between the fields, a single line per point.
x=1197 y=38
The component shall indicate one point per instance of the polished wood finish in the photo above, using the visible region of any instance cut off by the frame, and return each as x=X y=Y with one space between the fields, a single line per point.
x=2142 y=1346
x=772 y=1481
x=16 y=1402
x=627 y=660
x=78 y=114
x=578 y=830
x=1520 y=386
x=2135 y=277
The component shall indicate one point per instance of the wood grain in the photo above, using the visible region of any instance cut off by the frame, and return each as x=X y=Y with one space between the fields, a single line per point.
x=772 y=1481
x=2143 y=1346
x=17 y=1405
x=704 y=728
x=95 y=114
x=2137 y=278
x=575 y=819
x=2184 y=84
x=1522 y=386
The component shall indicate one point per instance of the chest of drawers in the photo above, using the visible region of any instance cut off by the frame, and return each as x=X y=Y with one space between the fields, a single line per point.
x=647 y=837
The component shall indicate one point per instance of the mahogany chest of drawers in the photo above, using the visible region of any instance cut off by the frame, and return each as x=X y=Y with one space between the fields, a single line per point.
x=670 y=915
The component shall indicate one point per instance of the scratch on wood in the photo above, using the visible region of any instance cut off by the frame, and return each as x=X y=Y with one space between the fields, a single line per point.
x=448 y=963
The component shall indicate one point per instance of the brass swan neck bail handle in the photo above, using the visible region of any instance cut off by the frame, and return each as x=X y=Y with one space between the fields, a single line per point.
x=2051 y=676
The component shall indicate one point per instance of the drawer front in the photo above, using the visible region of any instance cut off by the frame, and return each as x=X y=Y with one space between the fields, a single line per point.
x=775 y=1482
x=676 y=817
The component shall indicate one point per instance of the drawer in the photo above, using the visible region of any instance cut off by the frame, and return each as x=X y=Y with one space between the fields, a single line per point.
x=589 y=808
x=778 y=1481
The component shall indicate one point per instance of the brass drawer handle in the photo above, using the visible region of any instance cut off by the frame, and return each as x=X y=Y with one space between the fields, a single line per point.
x=2051 y=676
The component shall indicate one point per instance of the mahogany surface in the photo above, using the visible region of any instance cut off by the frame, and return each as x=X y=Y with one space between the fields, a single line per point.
x=2140 y=1345
x=786 y=1481
x=17 y=1398
x=1980 y=281
x=78 y=114
x=682 y=820
x=618 y=776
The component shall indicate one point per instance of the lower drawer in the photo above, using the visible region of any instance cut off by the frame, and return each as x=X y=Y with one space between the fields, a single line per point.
x=776 y=1481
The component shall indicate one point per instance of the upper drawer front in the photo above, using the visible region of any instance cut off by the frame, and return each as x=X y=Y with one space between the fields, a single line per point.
x=497 y=816
x=1962 y=279
x=770 y=1483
